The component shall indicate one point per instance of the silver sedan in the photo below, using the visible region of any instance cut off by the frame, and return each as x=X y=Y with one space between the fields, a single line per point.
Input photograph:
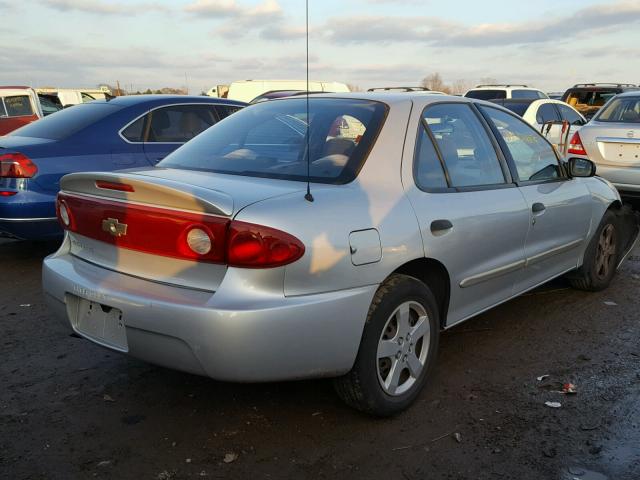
x=334 y=238
x=612 y=141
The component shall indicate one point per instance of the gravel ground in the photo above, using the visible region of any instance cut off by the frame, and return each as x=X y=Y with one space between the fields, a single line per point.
x=72 y=410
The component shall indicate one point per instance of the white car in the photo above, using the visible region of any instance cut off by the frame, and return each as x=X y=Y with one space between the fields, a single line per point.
x=548 y=117
x=612 y=141
x=497 y=92
x=248 y=90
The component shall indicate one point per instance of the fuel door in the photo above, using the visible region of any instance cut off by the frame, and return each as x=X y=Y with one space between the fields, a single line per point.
x=365 y=246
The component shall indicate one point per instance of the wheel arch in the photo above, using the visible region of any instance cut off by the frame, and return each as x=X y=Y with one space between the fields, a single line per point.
x=436 y=276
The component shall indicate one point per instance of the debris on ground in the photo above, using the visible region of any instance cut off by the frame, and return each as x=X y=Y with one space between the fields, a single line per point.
x=457 y=437
x=107 y=398
x=230 y=457
x=569 y=389
x=25 y=305
x=165 y=475
x=104 y=463
x=542 y=377
x=553 y=404
x=610 y=304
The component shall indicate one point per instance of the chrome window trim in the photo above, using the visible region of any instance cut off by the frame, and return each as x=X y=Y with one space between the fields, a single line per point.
x=157 y=108
x=41 y=219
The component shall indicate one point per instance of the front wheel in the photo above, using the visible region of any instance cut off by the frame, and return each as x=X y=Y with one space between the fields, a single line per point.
x=600 y=258
x=397 y=350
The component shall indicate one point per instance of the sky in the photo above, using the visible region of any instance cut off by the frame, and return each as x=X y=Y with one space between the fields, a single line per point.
x=550 y=44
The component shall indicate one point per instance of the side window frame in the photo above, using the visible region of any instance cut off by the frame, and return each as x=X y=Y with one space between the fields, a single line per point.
x=509 y=181
x=148 y=116
x=507 y=153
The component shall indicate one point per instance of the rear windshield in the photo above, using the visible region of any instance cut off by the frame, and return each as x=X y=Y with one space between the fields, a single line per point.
x=270 y=140
x=66 y=122
x=622 y=110
x=486 y=94
x=527 y=94
x=18 y=106
x=519 y=108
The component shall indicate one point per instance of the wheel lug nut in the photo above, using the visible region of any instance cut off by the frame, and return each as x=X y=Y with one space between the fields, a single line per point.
x=400 y=341
x=398 y=355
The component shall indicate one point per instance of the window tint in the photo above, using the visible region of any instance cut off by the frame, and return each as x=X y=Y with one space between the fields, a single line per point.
x=526 y=94
x=517 y=107
x=49 y=104
x=427 y=167
x=570 y=115
x=486 y=94
x=135 y=131
x=547 y=113
x=464 y=145
x=225 y=110
x=534 y=158
x=180 y=123
x=269 y=140
x=621 y=109
x=18 y=106
x=67 y=122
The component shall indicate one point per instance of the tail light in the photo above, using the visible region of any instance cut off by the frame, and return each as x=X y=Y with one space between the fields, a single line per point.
x=7 y=193
x=16 y=165
x=177 y=234
x=575 y=145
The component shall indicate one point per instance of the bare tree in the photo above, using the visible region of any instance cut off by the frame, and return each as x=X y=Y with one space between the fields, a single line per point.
x=354 y=88
x=435 y=82
x=488 y=81
x=460 y=87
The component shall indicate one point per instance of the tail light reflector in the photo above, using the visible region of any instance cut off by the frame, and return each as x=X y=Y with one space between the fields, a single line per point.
x=16 y=165
x=178 y=234
x=120 y=187
x=575 y=145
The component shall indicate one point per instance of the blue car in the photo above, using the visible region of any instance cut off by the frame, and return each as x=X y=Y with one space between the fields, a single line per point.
x=105 y=135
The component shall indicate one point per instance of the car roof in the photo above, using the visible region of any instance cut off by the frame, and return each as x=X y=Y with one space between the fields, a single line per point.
x=152 y=100
x=389 y=98
x=630 y=93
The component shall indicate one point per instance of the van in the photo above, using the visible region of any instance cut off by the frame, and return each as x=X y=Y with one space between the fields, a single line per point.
x=247 y=90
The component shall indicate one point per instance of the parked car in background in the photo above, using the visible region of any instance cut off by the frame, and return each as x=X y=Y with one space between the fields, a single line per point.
x=548 y=117
x=18 y=106
x=74 y=96
x=103 y=135
x=272 y=95
x=612 y=140
x=248 y=90
x=588 y=98
x=497 y=92
x=217 y=263
x=555 y=95
x=49 y=103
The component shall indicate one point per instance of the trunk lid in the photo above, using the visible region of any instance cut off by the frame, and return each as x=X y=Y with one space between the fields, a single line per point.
x=169 y=196
x=615 y=144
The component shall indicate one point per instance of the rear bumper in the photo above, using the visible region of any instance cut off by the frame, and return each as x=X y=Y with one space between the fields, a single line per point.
x=29 y=215
x=625 y=179
x=252 y=337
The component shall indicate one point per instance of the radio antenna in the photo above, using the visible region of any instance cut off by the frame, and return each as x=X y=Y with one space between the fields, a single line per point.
x=308 y=197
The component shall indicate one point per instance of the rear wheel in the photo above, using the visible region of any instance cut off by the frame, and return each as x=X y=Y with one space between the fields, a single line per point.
x=397 y=350
x=601 y=257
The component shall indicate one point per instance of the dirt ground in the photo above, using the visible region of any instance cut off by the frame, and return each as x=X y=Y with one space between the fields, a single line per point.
x=72 y=410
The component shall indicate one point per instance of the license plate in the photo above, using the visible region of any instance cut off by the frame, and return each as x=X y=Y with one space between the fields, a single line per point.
x=102 y=324
x=627 y=153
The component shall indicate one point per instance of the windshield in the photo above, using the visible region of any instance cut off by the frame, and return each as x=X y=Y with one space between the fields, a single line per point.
x=270 y=140
x=66 y=122
x=621 y=109
x=486 y=94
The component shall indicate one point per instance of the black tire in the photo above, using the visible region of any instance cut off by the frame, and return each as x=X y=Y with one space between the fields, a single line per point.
x=362 y=387
x=597 y=272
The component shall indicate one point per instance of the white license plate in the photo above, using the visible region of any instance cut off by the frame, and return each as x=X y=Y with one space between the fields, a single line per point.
x=101 y=323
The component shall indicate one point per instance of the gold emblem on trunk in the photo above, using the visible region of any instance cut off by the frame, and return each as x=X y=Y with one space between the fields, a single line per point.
x=114 y=227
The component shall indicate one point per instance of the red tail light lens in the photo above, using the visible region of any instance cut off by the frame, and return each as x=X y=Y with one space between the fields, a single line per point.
x=16 y=165
x=575 y=145
x=178 y=234
x=120 y=187
x=255 y=246
x=7 y=194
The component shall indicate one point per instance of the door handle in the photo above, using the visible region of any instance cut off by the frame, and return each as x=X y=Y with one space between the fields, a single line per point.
x=440 y=226
x=538 y=207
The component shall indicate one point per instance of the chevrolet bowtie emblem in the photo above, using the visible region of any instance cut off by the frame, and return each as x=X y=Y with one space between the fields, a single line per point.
x=114 y=227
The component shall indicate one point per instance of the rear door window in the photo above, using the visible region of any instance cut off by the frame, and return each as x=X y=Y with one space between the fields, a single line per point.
x=135 y=132
x=533 y=157
x=463 y=144
x=428 y=171
x=570 y=115
x=18 y=106
x=225 y=110
x=621 y=109
x=547 y=113
x=180 y=123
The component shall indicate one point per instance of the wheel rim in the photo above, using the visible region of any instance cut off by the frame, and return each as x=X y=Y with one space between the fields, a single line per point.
x=606 y=253
x=403 y=348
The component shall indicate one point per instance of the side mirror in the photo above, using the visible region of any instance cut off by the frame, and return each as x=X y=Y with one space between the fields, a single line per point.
x=581 y=167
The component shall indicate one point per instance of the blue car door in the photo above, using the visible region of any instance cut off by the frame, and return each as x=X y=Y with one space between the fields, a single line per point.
x=169 y=127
